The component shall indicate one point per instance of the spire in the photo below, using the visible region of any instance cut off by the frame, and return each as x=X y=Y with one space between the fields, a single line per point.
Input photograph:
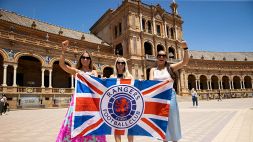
x=173 y=7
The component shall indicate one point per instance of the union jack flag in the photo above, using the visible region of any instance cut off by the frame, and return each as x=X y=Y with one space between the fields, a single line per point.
x=120 y=107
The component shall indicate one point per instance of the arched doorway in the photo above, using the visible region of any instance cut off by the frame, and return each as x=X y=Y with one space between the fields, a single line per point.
x=119 y=49
x=107 y=72
x=191 y=82
x=225 y=82
x=171 y=53
x=60 y=78
x=247 y=82
x=237 y=82
x=159 y=48
x=29 y=72
x=148 y=48
x=215 y=82
x=203 y=82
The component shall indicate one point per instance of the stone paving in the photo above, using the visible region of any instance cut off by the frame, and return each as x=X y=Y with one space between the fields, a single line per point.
x=229 y=120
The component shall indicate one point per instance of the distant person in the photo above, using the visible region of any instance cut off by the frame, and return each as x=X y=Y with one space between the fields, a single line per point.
x=4 y=100
x=1 y=105
x=194 y=97
x=219 y=96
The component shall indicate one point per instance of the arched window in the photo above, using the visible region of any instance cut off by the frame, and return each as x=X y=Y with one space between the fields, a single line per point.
x=215 y=82
x=60 y=78
x=191 y=82
x=148 y=48
x=171 y=53
x=225 y=82
x=237 y=82
x=159 y=47
x=119 y=50
x=203 y=82
x=247 y=82
x=149 y=27
x=29 y=72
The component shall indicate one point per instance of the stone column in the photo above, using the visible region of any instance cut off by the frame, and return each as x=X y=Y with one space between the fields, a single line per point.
x=196 y=82
x=154 y=26
x=176 y=36
x=165 y=30
x=243 y=84
x=141 y=22
x=207 y=83
x=14 y=75
x=42 y=78
x=221 y=85
x=50 y=78
x=72 y=81
x=5 y=75
x=186 y=82
x=199 y=84
x=232 y=84
x=182 y=81
x=210 y=84
x=252 y=83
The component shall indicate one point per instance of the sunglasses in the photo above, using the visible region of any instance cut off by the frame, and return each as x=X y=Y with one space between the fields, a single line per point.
x=123 y=63
x=85 y=58
x=161 y=55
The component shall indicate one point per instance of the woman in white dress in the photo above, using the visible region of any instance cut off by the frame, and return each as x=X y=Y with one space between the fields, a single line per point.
x=165 y=71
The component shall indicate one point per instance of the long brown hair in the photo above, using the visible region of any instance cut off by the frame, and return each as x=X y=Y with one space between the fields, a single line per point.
x=79 y=64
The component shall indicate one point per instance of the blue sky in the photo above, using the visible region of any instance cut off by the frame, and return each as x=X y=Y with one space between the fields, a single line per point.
x=220 y=26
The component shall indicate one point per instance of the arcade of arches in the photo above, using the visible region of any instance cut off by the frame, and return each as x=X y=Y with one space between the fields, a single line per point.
x=40 y=85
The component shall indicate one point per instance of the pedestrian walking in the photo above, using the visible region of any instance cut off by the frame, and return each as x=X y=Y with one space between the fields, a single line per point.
x=194 y=97
x=219 y=96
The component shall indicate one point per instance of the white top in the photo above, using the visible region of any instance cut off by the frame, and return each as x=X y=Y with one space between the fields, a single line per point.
x=161 y=74
x=87 y=73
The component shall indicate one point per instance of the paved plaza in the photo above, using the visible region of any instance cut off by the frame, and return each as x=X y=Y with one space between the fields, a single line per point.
x=229 y=120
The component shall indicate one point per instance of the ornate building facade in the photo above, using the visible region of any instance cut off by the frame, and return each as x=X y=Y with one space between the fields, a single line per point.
x=30 y=75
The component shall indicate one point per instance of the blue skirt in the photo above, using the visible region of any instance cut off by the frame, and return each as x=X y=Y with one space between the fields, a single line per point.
x=173 y=132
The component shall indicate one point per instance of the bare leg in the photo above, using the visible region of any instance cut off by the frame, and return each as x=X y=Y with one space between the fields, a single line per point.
x=130 y=138
x=117 y=138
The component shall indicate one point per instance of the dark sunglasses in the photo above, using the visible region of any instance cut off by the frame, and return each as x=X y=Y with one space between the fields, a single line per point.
x=123 y=63
x=161 y=55
x=83 y=57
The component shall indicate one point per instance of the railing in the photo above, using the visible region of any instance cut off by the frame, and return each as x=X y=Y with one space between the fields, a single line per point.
x=34 y=90
x=62 y=90
x=29 y=90
x=225 y=93
x=153 y=58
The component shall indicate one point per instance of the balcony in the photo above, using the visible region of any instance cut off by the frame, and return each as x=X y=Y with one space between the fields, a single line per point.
x=34 y=90
x=225 y=93
x=153 y=58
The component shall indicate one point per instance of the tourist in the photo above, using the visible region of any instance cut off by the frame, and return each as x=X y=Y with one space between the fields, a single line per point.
x=166 y=71
x=84 y=65
x=194 y=97
x=121 y=72
x=219 y=96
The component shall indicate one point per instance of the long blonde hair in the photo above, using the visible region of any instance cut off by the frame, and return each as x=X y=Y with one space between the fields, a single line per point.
x=126 y=73
x=79 y=64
